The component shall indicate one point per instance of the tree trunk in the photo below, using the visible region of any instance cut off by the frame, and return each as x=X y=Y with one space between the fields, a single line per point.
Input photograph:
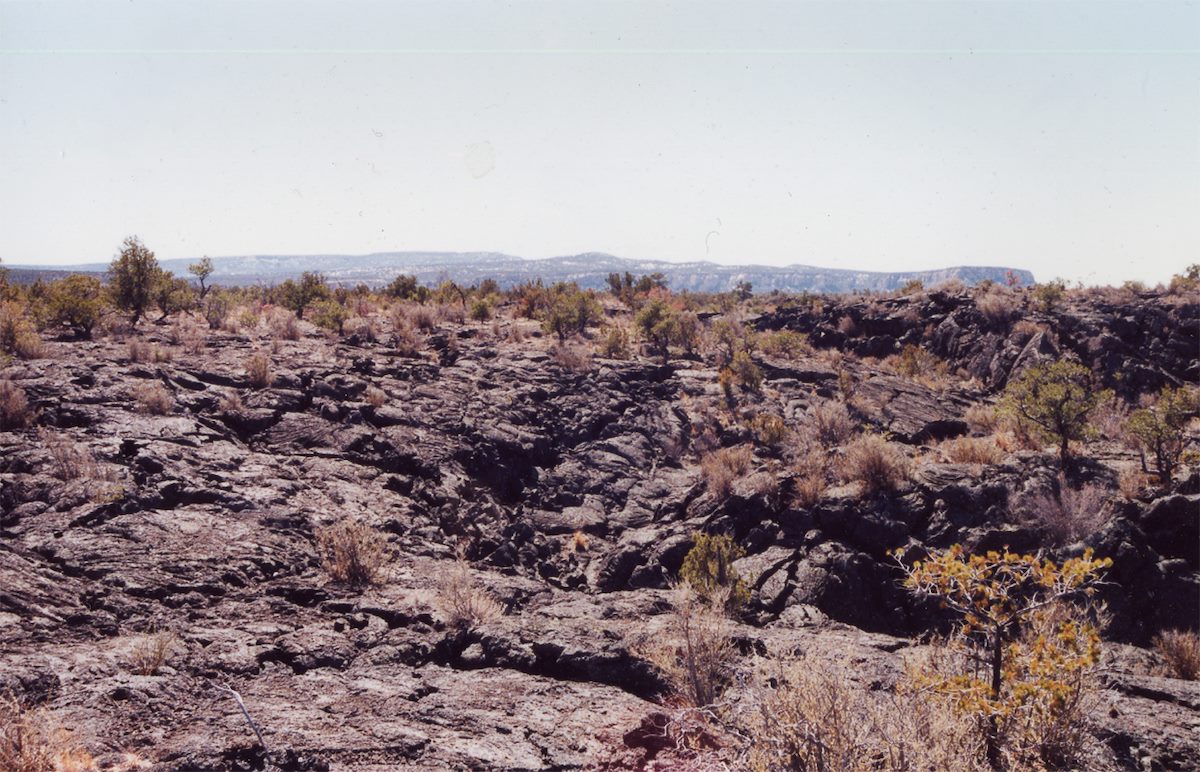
x=993 y=730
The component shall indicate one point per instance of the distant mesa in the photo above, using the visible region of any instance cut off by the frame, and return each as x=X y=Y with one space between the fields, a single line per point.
x=590 y=269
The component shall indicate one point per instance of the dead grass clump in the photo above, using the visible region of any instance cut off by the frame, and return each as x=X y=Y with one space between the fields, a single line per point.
x=572 y=358
x=154 y=398
x=1064 y=514
x=375 y=397
x=452 y=312
x=361 y=328
x=998 y=304
x=982 y=419
x=808 y=489
x=516 y=332
x=724 y=467
x=916 y=363
x=579 y=542
x=352 y=552
x=31 y=742
x=152 y=651
x=1180 y=651
x=831 y=423
x=1132 y=481
x=231 y=402
x=876 y=463
x=193 y=337
x=138 y=351
x=462 y=603
x=808 y=715
x=696 y=653
x=14 y=407
x=972 y=450
x=770 y=429
x=1110 y=418
x=283 y=324
x=258 y=370
x=71 y=460
x=423 y=318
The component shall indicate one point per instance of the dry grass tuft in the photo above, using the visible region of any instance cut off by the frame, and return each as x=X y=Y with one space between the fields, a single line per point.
x=972 y=450
x=831 y=423
x=362 y=328
x=72 y=461
x=230 y=402
x=375 y=397
x=283 y=324
x=152 y=651
x=462 y=603
x=14 y=407
x=258 y=370
x=31 y=742
x=154 y=398
x=998 y=304
x=982 y=419
x=352 y=552
x=876 y=463
x=724 y=467
x=806 y=714
x=1066 y=514
x=138 y=351
x=1132 y=481
x=1180 y=650
x=696 y=653
x=572 y=358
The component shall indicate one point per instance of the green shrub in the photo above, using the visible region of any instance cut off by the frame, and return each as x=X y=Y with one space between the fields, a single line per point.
x=785 y=344
x=298 y=296
x=1162 y=429
x=745 y=373
x=330 y=315
x=18 y=336
x=202 y=269
x=76 y=302
x=571 y=311
x=1049 y=296
x=615 y=344
x=481 y=310
x=1056 y=399
x=133 y=277
x=708 y=569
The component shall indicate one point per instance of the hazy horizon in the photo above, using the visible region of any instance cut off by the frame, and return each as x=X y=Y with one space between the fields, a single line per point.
x=1058 y=137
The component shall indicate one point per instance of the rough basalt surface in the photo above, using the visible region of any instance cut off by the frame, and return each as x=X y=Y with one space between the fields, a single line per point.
x=574 y=497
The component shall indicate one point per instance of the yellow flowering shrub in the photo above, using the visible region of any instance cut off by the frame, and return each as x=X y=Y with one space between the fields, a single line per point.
x=1022 y=653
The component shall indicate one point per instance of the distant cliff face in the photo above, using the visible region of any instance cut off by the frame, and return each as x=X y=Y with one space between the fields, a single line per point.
x=588 y=270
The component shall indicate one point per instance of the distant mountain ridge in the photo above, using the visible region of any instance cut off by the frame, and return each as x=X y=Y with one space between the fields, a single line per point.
x=590 y=269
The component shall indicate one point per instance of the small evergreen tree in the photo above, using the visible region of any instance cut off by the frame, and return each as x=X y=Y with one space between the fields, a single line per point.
x=202 y=269
x=1057 y=399
x=133 y=275
x=76 y=302
x=999 y=597
x=1162 y=429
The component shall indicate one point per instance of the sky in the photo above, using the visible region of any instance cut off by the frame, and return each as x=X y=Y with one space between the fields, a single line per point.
x=1062 y=137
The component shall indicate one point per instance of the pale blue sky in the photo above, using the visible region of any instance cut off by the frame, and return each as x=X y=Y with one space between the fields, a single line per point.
x=1063 y=137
